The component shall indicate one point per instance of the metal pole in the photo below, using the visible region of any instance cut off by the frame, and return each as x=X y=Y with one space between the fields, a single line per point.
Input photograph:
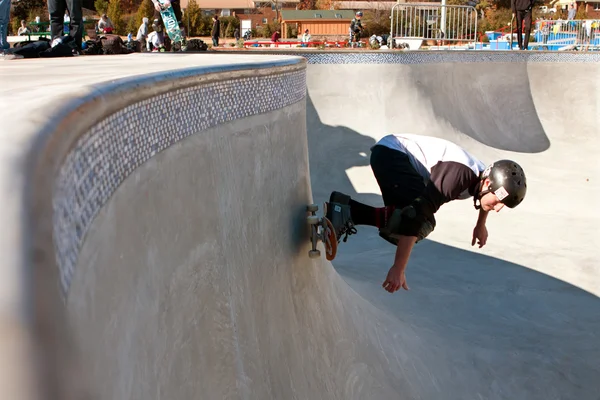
x=443 y=22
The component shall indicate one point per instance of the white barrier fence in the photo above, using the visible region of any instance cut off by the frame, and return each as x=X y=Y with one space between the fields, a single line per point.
x=566 y=35
x=448 y=25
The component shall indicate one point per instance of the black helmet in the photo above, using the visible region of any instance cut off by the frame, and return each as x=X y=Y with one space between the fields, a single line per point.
x=359 y=14
x=507 y=181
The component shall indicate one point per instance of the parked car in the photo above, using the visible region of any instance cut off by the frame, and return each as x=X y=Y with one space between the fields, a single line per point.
x=546 y=10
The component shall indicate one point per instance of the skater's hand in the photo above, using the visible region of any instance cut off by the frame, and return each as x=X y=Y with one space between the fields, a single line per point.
x=396 y=279
x=480 y=234
x=158 y=7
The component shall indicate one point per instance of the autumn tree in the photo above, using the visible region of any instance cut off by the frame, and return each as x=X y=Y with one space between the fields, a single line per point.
x=326 y=5
x=306 y=5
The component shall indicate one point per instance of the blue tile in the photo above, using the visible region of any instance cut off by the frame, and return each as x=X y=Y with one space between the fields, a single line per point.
x=112 y=149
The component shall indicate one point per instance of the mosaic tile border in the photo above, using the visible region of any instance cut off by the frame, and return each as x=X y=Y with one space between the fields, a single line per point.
x=436 y=57
x=112 y=149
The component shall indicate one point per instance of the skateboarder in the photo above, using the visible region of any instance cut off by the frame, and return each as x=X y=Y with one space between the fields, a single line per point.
x=417 y=175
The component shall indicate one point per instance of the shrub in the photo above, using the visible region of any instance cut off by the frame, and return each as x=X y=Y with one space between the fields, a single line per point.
x=146 y=10
x=115 y=14
x=101 y=6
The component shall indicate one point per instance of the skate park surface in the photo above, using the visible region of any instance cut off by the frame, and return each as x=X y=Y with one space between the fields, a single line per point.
x=144 y=262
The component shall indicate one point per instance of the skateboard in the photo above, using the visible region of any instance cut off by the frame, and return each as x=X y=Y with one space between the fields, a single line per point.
x=321 y=229
x=171 y=25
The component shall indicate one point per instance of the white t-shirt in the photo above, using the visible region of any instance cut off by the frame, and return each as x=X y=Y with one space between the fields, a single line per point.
x=448 y=166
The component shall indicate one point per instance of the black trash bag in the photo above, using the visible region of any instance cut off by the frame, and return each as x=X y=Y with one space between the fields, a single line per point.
x=92 y=47
x=194 y=45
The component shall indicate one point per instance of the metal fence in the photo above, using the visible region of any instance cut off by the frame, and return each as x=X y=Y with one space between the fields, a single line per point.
x=566 y=35
x=447 y=25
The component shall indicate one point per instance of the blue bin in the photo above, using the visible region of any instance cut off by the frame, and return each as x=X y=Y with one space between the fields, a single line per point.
x=493 y=35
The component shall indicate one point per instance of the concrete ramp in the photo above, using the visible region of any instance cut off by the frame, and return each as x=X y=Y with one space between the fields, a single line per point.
x=162 y=246
x=517 y=318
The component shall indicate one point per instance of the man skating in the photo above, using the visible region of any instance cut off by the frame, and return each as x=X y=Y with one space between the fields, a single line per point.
x=417 y=175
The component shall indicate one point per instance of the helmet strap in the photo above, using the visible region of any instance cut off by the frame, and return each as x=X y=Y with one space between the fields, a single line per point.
x=479 y=195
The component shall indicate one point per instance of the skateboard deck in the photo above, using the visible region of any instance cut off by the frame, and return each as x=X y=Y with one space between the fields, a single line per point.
x=321 y=229
x=171 y=25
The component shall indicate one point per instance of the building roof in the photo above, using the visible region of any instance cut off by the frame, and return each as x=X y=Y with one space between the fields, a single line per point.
x=220 y=4
x=296 y=15
x=231 y=4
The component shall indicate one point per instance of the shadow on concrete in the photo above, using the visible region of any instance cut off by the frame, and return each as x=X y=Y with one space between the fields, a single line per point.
x=507 y=121
x=332 y=150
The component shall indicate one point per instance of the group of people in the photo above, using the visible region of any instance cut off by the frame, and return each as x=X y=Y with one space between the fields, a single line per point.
x=70 y=11
x=57 y=10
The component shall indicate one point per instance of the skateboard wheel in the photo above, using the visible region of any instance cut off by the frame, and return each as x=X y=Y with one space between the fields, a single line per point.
x=314 y=253
x=312 y=208
x=313 y=219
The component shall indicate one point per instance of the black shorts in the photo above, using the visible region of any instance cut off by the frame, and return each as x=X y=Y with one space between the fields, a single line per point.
x=399 y=181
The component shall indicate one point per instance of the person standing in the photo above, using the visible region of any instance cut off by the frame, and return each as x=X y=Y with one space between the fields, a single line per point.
x=4 y=20
x=356 y=29
x=305 y=38
x=216 y=31
x=57 y=10
x=522 y=11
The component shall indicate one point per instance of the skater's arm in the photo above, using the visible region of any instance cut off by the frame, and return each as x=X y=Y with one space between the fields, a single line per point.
x=396 y=277
x=405 y=245
x=482 y=217
x=480 y=233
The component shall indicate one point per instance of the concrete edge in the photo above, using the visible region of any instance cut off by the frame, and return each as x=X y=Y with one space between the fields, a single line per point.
x=30 y=300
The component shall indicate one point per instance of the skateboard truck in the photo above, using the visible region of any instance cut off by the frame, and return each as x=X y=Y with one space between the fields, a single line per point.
x=321 y=229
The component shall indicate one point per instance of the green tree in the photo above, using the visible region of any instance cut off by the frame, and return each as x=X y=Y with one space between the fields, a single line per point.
x=146 y=10
x=27 y=10
x=131 y=25
x=194 y=16
x=115 y=14
x=101 y=6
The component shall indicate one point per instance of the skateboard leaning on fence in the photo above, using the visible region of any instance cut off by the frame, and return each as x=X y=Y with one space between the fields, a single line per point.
x=321 y=229
x=171 y=25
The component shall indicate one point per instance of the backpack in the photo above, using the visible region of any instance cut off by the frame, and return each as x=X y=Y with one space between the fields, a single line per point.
x=196 y=45
x=113 y=44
